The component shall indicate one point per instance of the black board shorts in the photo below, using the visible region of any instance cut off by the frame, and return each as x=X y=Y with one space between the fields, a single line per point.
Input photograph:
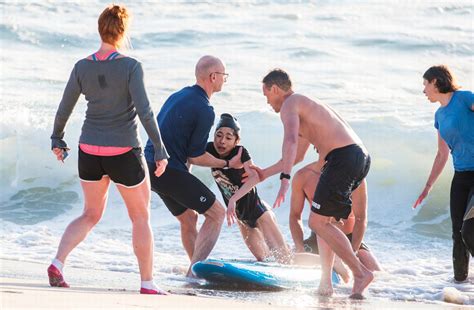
x=311 y=244
x=128 y=169
x=345 y=169
x=250 y=214
x=180 y=190
x=362 y=246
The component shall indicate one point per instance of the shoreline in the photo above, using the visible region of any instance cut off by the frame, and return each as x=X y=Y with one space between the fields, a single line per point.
x=24 y=285
x=27 y=293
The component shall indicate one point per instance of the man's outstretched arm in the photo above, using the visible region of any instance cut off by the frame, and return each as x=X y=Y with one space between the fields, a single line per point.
x=293 y=146
x=277 y=167
x=208 y=160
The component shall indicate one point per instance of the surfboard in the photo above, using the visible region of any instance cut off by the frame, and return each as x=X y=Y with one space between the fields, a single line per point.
x=258 y=274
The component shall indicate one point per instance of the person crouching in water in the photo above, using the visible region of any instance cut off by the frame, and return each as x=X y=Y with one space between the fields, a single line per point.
x=256 y=221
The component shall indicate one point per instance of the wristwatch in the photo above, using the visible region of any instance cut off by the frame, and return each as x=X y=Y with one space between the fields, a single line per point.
x=226 y=164
x=284 y=176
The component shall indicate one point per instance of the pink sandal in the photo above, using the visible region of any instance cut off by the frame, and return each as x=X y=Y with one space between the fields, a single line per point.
x=153 y=291
x=55 y=277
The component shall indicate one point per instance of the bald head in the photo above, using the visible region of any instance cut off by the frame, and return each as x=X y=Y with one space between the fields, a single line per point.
x=207 y=65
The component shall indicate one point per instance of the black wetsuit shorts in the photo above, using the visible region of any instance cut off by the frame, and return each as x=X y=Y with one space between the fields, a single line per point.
x=180 y=190
x=311 y=244
x=128 y=169
x=345 y=169
x=250 y=214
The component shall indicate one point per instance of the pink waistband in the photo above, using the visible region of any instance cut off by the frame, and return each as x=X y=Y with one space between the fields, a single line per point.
x=98 y=150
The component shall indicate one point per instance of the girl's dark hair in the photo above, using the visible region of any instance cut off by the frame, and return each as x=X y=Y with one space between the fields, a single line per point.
x=445 y=80
x=227 y=120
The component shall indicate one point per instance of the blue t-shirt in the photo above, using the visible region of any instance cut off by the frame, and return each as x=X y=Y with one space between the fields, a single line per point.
x=185 y=121
x=455 y=123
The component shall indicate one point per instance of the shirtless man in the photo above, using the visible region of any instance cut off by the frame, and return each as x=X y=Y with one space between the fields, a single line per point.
x=346 y=164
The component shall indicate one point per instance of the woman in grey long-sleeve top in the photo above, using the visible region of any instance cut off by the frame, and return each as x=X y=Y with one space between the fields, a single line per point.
x=109 y=145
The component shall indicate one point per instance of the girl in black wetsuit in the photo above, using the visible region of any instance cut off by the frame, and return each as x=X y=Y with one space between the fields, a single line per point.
x=256 y=221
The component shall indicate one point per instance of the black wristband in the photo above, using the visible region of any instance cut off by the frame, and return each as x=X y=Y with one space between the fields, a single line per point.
x=284 y=176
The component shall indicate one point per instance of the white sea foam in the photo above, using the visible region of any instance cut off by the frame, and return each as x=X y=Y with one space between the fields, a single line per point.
x=452 y=295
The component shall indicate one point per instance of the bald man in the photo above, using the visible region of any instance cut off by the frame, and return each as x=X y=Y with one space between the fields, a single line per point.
x=185 y=121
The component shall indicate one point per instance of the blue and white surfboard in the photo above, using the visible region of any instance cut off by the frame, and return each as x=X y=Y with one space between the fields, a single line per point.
x=257 y=274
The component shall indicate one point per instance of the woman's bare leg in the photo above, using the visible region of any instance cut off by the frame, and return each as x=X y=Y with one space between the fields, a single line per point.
x=95 y=200
x=137 y=200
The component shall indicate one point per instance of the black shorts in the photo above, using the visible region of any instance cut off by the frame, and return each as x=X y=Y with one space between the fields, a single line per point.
x=180 y=190
x=345 y=169
x=311 y=244
x=250 y=214
x=363 y=246
x=128 y=169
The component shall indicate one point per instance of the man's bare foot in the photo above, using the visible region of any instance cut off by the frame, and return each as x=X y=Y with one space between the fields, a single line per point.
x=361 y=282
x=325 y=290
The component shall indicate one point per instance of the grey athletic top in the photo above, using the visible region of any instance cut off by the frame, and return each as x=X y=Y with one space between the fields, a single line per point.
x=115 y=95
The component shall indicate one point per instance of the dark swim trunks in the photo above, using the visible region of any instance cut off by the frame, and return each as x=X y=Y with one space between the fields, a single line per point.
x=345 y=169
x=250 y=214
x=180 y=190
x=128 y=169
x=363 y=246
x=311 y=244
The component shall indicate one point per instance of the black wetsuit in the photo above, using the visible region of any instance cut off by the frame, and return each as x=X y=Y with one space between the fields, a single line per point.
x=250 y=207
x=461 y=201
x=311 y=244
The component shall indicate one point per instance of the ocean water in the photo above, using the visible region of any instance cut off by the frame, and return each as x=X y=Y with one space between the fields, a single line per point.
x=366 y=59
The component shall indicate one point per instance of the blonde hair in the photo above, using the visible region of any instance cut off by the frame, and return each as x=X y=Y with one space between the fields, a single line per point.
x=113 y=24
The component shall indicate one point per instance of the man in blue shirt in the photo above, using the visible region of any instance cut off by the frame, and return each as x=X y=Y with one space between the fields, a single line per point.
x=185 y=121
